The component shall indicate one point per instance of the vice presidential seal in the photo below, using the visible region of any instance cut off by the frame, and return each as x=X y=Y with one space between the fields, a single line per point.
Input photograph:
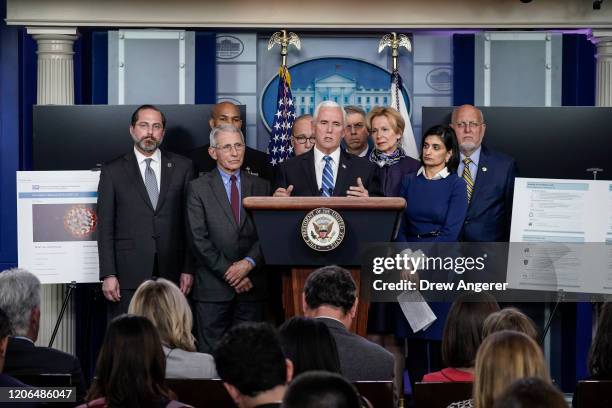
x=323 y=229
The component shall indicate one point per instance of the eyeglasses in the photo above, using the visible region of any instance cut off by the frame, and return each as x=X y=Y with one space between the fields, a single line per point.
x=355 y=127
x=147 y=126
x=469 y=124
x=228 y=147
x=304 y=139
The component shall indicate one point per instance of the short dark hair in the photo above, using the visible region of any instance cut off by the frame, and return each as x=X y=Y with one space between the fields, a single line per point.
x=309 y=345
x=600 y=354
x=321 y=389
x=330 y=285
x=530 y=392
x=5 y=325
x=463 y=328
x=449 y=138
x=152 y=107
x=249 y=357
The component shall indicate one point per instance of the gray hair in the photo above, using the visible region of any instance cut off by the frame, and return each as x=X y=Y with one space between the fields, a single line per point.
x=349 y=109
x=19 y=295
x=328 y=104
x=223 y=128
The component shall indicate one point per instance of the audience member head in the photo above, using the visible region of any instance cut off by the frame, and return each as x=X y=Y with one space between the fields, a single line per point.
x=163 y=303
x=148 y=127
x=468 y=123
x=502 y=358
x=225 y=113
x=439 y=148
x=330 y=292
x=509 y=318
x=302 y=135
x=531 y=392
x=131 y=365
x=20 y=300
x=600 y=355
x=5 y=332
x=309 y=344
x=328 y=122
x=463 y=328
x=387 y=128
x=355 y=129
x=321 y=389
x=252 y=365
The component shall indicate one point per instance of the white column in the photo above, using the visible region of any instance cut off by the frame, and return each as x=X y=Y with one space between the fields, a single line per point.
x=55 y=86
x=603 y=83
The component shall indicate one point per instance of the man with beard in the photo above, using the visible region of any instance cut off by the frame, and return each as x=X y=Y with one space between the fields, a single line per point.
x=141 y=226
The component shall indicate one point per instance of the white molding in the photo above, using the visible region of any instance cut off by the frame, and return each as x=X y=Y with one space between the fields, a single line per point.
x=51 y=30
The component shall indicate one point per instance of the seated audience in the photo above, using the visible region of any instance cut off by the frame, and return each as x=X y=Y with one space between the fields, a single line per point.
x=502 y=358
x=20 y=300
x=462 y=336
x=130 y=368
x=320 y=389
x=309 y=345
x=509 y=318
x=600 y=354
x=252 y=365
x=330 y=294
x=162 y=302
x=531 y=393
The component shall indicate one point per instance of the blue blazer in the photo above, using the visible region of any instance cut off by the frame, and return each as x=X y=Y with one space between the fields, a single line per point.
x=490 y=209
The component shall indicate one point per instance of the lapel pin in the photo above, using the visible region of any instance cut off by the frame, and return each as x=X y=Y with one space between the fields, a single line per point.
x=169 y=164
x=484 y=169
x=343 y=166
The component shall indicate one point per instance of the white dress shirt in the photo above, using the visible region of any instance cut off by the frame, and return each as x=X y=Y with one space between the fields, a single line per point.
x=444 y=173
x=319 y=163
x=155 y=165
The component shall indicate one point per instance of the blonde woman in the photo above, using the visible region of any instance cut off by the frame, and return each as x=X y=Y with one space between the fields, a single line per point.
x=162 y=302
x=503 y=357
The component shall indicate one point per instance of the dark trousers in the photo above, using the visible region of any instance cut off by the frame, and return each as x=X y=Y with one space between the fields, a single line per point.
x=215 y=318
x=115 y=309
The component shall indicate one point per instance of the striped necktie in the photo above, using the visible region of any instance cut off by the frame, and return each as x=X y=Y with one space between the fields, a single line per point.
x=467 y=176
x=151 y=184
x=327 y=181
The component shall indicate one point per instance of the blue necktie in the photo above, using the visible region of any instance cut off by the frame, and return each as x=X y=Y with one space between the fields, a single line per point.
x=327 y=181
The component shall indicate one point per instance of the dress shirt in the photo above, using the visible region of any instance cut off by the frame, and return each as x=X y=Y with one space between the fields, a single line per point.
x=364 y=151
x=155 y=165
x=320 y=164
x=475 y=157
x=442 y=174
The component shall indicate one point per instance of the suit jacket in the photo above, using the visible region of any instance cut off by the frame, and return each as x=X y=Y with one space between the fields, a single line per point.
x=255 y=162
x=490 y=209
x=131 y=232
x=189 y=364
x=360 y=359
x=25 y=358
x=217 y=241
x=300 y=172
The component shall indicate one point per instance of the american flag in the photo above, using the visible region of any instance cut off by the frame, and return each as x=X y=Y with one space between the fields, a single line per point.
x=397 y=101
x=279 y=147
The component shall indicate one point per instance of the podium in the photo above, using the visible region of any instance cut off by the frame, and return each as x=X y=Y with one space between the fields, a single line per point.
x=283 y=234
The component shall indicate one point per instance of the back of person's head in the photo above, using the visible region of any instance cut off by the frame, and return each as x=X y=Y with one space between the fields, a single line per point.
x=330 y=286
x=509 y=318
x=309 y=345
x=5 y=331
x=131 y=365
x=250 y=358
x=600 y=355
x=162 y=302
x=20 y=298
x=321 y=389
x=463 y=328
x=531 y=392
x=502 y=358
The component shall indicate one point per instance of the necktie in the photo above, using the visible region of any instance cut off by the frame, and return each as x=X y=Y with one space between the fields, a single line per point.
x=467 y=176
x=327 y=181
x=151 y=184
x=235 y=199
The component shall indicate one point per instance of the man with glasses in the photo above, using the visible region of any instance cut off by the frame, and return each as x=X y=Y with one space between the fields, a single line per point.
x=356 y=135
x=302 y=138
x=230 y=284
x=327 y=170
x=141 y=200
x=489 y=176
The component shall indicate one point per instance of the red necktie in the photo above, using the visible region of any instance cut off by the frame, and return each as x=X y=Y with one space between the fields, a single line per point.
x=235 y=200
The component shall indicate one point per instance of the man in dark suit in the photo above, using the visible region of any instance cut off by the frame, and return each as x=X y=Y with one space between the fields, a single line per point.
x=327 y=170
x=489 y=176
x=356 y=135
x=255 y=162
x=230 y=283
x=20 y=300
x=141 y=201
x=330 y=294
